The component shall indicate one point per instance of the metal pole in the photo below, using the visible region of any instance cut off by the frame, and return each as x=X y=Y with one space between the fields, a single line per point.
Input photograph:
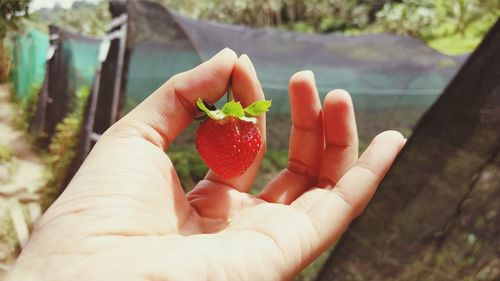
x=89 y=126
x=94 y=96
x=119 y=73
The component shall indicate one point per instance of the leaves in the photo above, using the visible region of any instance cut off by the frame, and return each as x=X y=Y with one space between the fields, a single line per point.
x=10 y=14
x=211 y=113
x=201 y=105
x=308 y=16
x=234 y=109
x=258 y=107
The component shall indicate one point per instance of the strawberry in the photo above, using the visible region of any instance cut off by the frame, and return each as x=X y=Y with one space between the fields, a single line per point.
x=228 y=141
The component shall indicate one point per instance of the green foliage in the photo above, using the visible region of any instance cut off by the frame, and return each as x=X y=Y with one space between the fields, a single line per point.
x=279 y=158
x=235 y=109
x=62 y=150
x=259 y=107
x=189 y=166
x=7 y=232
x=5 y=64
x=451 y=26
x=272 y=163
x=26 y=108
x=83 y=17
x=11 y=11
x=6 y=154
x=455 y=44
x=454 y=27
x=436 y=22
x=304 y=16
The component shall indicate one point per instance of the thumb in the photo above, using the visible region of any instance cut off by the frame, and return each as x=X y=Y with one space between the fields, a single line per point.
x=169 y=110
x=127 y=182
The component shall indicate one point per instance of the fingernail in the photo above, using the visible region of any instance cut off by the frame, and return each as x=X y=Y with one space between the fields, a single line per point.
x=339 y=92
x=308 y=73
x=224 y=52
x=249 y=63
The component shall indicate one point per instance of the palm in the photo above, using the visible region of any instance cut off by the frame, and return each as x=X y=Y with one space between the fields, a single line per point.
x=125 y=216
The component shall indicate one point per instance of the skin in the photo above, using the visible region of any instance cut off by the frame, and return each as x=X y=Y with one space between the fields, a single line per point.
x=124 y=216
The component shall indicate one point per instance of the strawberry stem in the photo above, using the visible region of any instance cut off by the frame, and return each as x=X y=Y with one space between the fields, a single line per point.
x=229 y=93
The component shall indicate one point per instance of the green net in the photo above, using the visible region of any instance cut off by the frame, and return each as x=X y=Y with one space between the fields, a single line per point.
x=83 y=60
x=29 y=56
x=151 y=66
x=70 y=72
x=392 y=79
x=435 y=215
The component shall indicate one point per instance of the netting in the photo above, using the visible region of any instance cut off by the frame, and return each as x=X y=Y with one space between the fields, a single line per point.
x=69 y=75
x=158 y=48
x=435 y=215
x=28 y=58
x=393 y=79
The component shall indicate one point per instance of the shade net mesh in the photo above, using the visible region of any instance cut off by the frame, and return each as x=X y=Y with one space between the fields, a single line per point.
x=435 y=215
x=392 y=79
x=69 y=75
x=28 y=59
x=157 y=48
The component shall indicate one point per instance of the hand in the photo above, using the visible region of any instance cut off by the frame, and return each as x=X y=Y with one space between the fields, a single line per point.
x=124 y=216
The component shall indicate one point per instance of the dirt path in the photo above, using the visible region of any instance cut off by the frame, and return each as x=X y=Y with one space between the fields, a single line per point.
x=20 y=179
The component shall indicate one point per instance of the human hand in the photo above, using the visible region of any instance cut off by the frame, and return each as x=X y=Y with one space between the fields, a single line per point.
x=124 y=216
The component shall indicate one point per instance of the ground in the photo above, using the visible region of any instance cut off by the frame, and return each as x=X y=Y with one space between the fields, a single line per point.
x=21 y=177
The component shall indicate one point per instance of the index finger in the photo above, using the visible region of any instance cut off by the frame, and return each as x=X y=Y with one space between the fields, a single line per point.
x=246 y=89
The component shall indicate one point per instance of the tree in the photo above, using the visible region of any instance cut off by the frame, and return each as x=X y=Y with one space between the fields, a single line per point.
x=96 y=17
x=307 y=16
x=11 y=11
x=429 y=19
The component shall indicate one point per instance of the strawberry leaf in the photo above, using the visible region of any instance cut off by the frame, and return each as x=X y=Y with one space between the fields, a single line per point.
x=212 y=114
x=233 y=108
x=258 y=107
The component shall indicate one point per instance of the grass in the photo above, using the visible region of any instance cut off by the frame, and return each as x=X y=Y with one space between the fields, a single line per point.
x=449 y=41
x=6 y=154
x=455 y=44
x=62 y=149
x=8 y=239
x=26 y=109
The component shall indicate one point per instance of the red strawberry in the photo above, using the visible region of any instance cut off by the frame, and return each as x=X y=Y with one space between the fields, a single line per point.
x=228 y=141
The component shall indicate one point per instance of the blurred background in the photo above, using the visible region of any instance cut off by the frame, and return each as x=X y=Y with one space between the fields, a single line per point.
x=70 y=68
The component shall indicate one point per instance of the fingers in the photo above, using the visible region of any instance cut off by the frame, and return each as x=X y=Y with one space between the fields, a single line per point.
x=170 y=109
x=331 y=211
x=246 y=89
x=306 y=137
x=341 y=138
x=128 y=179
x=306 y=142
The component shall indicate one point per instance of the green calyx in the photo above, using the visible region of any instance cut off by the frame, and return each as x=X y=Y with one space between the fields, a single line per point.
x=234 y=109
